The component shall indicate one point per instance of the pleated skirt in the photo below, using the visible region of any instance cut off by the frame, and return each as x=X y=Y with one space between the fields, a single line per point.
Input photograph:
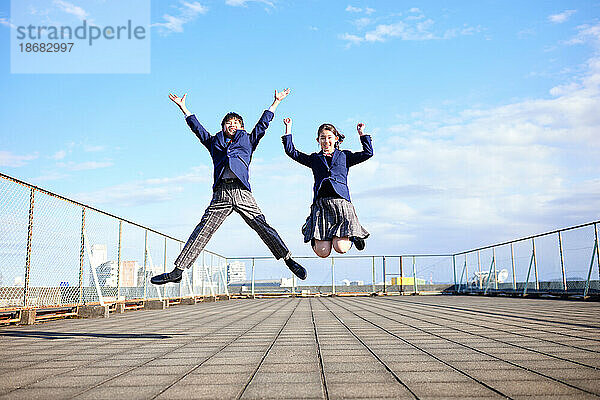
x=331 y=217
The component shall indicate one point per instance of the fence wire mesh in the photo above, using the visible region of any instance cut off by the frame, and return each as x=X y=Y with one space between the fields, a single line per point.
x=57 y=252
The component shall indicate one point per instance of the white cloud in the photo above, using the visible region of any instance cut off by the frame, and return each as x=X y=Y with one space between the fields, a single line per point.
x=85 y=166
x=561 y=17
x=72 y=9
x=92 y=148
x=154 y=190
x=188 y=11
x=586 y=34
x=411 y=28
x=353 y=9
x=243 y=3
x=8 y=159
x=59 y=155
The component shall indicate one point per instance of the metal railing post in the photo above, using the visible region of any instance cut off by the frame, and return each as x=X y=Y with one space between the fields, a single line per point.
x=253 y=277
x=332 y=277
x=535 y=269
x=165 y=256
x=467 y=274
x=454 y=272
x=512 y=261
x=495 y=269
x=145 y=261
x=203 y=276
x=401 y=276
x=373 y=272
x=81 y=256
x=597 y=250
x=28 y=254
x=119 y=260
x=384 y=279
x=415 y=274
x=479 y=269
x=562 y=263
x=595 y=254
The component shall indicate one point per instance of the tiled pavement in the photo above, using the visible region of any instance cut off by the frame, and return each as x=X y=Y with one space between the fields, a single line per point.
x=421 y=347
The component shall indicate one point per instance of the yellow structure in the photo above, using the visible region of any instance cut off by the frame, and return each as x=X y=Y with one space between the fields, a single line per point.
x=406 y=280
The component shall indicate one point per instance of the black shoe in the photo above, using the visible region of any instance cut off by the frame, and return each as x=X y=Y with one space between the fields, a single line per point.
x=296 y=268
x=358 y=242
x=173 y=276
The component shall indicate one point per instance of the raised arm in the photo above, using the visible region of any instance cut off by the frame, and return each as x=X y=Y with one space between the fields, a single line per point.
x=263 y=123
x=288 y=145
x=191 y=120
x=354 y=158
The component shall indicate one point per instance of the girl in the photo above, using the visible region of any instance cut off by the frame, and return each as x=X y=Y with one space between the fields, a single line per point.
x=332 y=221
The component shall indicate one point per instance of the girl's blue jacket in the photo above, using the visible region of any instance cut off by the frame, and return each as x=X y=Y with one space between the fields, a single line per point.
x=341 y=161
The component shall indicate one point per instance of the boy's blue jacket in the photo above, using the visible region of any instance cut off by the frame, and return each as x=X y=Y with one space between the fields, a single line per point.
x=341 y=161
x=238 y=153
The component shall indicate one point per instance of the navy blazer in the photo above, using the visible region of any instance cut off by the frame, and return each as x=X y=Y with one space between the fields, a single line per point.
x=341 y=161
x=238 y=153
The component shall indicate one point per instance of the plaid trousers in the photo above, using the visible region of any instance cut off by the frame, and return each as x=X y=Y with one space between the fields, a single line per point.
x=229 y=197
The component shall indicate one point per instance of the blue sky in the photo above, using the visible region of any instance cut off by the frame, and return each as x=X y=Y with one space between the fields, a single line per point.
x=484 y=117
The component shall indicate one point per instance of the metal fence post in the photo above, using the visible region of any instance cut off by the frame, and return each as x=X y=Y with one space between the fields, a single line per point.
x=373 y=261
x=479 y=269
x=454 y=271
x=562 y=263
x=401 y=276
x=332 y=277
x=467 y=274
x=535 y=269
x=28 y=254
x=512 y=261
x=415 y=275
x=119 y=261
x=597 y=250
x=81 y=256
x=203 y=276
x=384 y=279
x=253 y=277
x=495 y=269
x=145 y=260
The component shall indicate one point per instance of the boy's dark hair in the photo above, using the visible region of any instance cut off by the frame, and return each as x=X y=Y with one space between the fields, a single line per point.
x=331 y=128
x=229 y=116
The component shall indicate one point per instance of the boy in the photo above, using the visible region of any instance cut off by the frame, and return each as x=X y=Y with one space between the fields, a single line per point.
x=231 y=151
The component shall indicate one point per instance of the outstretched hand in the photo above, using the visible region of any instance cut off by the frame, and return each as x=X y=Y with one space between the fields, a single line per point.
x=281 y=95
x=360 y=128
x=180 y=101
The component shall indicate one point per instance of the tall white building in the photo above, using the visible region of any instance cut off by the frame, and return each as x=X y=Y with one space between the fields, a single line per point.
x=236 y=272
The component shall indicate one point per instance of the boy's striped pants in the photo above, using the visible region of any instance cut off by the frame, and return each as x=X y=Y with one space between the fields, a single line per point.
x=229 y=197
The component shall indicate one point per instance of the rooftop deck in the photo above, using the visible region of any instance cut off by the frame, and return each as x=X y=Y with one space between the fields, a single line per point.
x=421 y=347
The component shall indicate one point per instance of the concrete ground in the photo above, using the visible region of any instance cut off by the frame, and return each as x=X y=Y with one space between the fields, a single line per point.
x=423 y=347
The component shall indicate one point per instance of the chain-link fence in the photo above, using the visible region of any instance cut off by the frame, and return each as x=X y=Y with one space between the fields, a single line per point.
x=564 y=262
x=58 y=252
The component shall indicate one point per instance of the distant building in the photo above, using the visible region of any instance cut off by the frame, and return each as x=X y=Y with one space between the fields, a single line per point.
x=108 y=274
x=406 y=280
x=98 y=254
x=236 y=272
x=129 y=273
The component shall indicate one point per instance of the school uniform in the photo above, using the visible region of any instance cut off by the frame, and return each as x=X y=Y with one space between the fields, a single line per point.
x=332 y=213
x=231 y=189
